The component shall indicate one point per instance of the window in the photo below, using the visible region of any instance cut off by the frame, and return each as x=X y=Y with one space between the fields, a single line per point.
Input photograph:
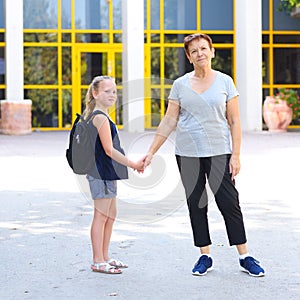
x=92 y=14
x=44 y=107
x=40 y=65
x=180 y=15
x=1 y=13
x=66 y=14
x=286 y=66
x=265 y=14
x=2 y=65
x=117 y=14
x=283 y=21
x=155 y=14
x=217 y=15
x=40 y=14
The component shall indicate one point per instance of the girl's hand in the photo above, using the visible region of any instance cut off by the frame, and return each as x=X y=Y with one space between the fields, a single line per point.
x=138 y=165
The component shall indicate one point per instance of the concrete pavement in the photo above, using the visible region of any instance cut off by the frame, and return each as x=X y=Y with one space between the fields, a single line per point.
x=45 y=216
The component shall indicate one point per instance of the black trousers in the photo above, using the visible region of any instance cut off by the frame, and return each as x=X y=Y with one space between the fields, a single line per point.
x=194 y=172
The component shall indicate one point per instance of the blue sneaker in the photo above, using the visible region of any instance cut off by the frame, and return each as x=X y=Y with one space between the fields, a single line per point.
x=203 y=265
x=251 y=266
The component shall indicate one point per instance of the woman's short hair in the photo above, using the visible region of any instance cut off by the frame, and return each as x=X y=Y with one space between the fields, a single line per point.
x=196 y=36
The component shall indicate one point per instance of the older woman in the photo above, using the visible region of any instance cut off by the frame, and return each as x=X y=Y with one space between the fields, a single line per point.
x=203 y=107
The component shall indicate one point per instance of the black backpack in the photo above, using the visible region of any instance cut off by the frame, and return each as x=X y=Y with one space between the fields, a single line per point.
x=81 y=152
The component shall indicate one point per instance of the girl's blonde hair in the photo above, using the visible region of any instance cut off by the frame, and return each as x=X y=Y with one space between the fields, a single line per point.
x=90 y=101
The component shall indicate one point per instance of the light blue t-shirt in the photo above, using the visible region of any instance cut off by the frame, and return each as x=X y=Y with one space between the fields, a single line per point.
x=202 y=129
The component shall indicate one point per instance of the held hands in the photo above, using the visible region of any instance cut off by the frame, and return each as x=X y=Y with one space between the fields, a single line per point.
x=141 y=164
x=234 y=166
x=147 y=159
x=138 y=165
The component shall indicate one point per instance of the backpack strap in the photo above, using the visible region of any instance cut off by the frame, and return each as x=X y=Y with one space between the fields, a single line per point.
x=88 y=119
x=94 y=113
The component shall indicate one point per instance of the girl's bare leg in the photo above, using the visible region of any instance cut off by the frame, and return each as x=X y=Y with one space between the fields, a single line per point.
x=112 y=213
x=101 y=213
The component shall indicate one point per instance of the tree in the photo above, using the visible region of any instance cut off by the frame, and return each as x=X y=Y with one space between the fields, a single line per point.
x=288 y=5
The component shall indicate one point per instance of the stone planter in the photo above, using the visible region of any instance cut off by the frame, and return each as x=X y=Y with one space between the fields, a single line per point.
x=16 y=117
x=277 y=114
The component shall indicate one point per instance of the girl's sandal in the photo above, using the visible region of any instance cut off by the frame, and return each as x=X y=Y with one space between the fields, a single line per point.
x=116 y=263
x=105 y=268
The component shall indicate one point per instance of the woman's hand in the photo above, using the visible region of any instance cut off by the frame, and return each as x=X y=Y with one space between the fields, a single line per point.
x=138 y=165
x=234 y=166
x=147 y=159
x=233 y=117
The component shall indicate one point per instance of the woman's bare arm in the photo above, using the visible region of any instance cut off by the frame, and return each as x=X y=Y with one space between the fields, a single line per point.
x=166 y=126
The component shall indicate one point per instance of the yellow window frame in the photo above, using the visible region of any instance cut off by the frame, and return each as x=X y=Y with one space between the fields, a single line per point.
x=110 y=49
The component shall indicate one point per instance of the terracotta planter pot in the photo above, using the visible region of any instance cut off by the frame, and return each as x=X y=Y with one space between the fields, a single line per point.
x=277 y=114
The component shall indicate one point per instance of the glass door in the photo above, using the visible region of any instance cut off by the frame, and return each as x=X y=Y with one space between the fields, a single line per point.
x=94 y=61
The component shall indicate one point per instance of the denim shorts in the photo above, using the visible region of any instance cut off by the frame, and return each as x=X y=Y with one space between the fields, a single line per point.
x=97 y=188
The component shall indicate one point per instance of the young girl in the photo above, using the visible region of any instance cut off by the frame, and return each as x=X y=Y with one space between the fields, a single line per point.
x=109 y=157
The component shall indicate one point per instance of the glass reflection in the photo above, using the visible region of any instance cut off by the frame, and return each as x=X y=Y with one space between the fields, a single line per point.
x=2 y=66
x=180 y=14
x=1 y=13
x=287 y=66
x=155 y=65
x=40 y=37
x=44 y=107
x=40 y=65
x=155 y=107
x=265 y=66
x=118 y=67
x=40 y=14
x=92 y=64
x=223 y=61
x=117 y=14
x=66 y=14
x=66 y=65
x=119 y=107
x=92 y=14
x=67 y=107
x=155 y=14
x=176 y=63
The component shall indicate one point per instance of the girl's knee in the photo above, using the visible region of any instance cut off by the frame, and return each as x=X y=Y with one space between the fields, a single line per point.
x=111 y=219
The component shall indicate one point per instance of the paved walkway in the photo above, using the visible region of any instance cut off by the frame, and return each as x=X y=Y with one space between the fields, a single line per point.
x=45 y=216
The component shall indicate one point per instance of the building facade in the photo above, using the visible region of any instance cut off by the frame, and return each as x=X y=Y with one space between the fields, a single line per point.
x=65 y=43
